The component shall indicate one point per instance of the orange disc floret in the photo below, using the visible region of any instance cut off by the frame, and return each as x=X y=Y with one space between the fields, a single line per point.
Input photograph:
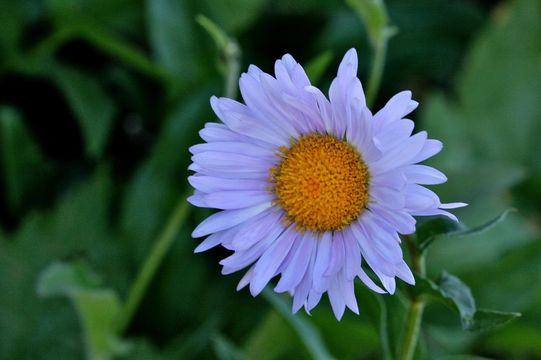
x=321 y=183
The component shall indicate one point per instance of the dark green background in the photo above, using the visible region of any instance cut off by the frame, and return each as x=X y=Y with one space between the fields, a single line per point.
x=100 y=100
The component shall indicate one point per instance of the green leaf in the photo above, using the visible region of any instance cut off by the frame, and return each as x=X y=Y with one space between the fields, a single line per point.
x=454 y=293
x=21 y=160
x=64 y=279
x=171 y=36
x=97 y=308
x=78 y=225
x=305 y=330
x=430 y=230
x=496 y=118
x=490 y=319
x=316 y=67
x=91 y=105
x=463 y=357
x=225 y=349
x=483 y=227
x=443 y=226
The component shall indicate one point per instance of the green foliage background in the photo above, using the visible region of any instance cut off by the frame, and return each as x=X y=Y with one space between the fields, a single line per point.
x=100 y=100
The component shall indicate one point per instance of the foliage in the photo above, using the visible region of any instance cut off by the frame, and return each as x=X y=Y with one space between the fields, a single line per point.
x=100 y=100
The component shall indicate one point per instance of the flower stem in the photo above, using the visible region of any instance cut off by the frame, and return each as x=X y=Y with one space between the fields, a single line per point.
x=232 y=58
x=412 y=325
x=376 y=71
x=161 y=246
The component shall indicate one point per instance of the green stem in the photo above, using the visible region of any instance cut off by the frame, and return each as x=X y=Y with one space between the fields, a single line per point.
x=412 y=326
x=232 y=56
x=411 y=330
x=161 y=246
x=376 y=71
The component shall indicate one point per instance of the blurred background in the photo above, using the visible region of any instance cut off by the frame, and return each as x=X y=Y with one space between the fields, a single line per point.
x=100 y=100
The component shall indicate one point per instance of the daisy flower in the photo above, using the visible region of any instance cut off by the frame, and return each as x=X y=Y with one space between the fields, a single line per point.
x=315 y=190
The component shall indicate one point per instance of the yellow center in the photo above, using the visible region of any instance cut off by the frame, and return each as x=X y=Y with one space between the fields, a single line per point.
x=321 y=183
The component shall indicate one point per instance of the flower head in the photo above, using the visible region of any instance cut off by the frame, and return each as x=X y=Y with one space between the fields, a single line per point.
x=312 y=188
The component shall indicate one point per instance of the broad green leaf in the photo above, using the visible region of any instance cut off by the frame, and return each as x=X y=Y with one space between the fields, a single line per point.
x=490 y=319
x=451 y=291
x=98 y=308
x=497 y=116
x=454 y=293
x=317 y=66
x=77 y=226
x=21 y=160
x=443 y=226
x=171 y=36
x=305 y=330
x=62 y=278
x=91 y=105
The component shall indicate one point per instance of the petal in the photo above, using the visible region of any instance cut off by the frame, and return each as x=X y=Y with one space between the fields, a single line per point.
x=294 y=273
x=424 y=175
x=208 y=184
x=229 y=200
x=396 y=108
x=337 y=255
x=227 y=219
x=324 y=245
x=269 y=262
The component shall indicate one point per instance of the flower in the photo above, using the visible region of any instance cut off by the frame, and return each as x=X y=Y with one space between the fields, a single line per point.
x=311 y=188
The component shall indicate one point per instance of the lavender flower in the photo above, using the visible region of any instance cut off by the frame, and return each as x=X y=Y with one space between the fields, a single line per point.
x=311 y=188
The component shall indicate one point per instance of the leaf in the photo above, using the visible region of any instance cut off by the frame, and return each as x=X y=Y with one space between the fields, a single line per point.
x=21 y=160
x=65 y=279
x=430 y=230
x=77 y=226
x=97 y=308
x=443 y=226
x=490 y=319
x=157 y=183
x=305 y=330
x=497 y=116
x=463 y=357
x=453 y=289
x=171 y=36
x=316 y=67
x=93 y=108
x=454 y=293
x=225 y=349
